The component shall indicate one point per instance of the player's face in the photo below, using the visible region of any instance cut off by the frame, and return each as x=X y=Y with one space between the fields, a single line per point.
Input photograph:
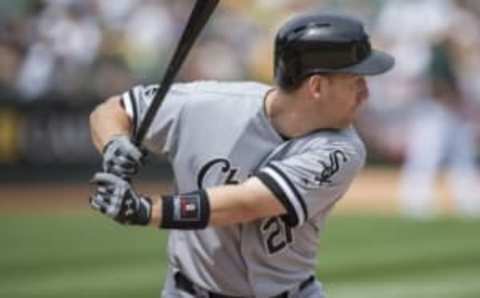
x=347 y=92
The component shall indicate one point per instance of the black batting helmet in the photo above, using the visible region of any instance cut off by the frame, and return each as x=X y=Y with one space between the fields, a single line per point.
x=311 y=44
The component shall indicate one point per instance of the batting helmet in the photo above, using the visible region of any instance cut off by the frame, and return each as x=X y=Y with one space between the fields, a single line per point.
x=311 y=44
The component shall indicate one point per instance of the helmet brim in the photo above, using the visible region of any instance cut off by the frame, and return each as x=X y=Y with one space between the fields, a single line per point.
x=376 y=63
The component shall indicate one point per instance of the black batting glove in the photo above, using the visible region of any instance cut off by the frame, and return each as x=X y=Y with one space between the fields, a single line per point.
x=117 y=199
x=122 y=158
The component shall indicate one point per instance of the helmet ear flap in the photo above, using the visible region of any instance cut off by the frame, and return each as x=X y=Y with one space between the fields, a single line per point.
x=285 y=77
x=283 y=80
x=288 y=69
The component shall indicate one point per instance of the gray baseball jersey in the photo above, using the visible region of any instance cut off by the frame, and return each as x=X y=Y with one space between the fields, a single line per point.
x=217 y=133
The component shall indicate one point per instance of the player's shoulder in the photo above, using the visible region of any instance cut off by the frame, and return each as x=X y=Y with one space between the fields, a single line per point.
x=230 y=88
x=206 y=90
x=345 y=140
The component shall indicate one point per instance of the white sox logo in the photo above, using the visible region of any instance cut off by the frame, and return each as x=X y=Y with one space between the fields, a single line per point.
x=330 y=169
x=225 y=167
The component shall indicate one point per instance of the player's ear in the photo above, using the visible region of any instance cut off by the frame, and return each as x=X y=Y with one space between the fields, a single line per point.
x=317 y=86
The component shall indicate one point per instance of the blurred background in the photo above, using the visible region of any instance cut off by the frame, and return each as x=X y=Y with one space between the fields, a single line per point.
x=408 y=226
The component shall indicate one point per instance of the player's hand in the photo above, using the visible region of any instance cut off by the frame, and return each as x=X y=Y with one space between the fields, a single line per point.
x=121 y=157
x=117 y=199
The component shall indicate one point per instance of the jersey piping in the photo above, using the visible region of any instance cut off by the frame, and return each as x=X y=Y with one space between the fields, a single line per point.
x=286 y=192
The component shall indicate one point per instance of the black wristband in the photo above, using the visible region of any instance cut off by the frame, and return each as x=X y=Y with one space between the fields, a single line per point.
x=190 y=211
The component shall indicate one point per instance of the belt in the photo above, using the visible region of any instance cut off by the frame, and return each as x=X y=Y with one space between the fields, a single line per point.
x=184 y=283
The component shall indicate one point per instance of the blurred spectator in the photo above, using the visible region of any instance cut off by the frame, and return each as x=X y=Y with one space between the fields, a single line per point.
x=148 y=34
x=114 y=13
x=9 y=63
x=427 y=83
x=65 y=46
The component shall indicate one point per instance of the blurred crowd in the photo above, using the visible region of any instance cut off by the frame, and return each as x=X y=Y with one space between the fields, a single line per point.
x=93 y=48
x=99 y=47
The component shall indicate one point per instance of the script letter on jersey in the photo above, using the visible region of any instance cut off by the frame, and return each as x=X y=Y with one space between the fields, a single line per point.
x=225 y=167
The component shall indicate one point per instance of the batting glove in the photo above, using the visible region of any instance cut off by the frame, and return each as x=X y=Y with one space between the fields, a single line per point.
x=117 y=199
x=121 y=157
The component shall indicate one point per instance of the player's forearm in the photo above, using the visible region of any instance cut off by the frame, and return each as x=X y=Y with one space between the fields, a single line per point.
x=107 y=120
x=232 y=204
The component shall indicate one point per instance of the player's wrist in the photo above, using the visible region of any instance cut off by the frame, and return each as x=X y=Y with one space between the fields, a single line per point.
x=112 y=139
x=190 y=211
x=156 y=212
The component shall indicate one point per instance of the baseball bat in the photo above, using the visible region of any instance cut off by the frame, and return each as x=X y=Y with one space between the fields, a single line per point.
x=200 y=15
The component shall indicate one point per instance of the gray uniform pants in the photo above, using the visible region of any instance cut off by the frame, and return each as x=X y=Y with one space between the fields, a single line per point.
x=314 y=290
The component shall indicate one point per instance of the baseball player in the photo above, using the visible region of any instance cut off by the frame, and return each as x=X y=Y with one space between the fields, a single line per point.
x=257 y=168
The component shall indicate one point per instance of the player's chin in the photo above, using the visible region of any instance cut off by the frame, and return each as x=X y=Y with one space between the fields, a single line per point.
x=347 y=121
x=352 y=116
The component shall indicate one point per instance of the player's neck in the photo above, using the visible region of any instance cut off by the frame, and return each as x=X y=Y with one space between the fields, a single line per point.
x=291 y=118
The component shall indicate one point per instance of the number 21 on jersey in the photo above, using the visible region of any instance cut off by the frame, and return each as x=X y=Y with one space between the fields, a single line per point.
x=277 y=234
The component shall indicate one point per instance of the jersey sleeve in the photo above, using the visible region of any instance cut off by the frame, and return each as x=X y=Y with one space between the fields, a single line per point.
x=310 y=182
x=160 y=137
